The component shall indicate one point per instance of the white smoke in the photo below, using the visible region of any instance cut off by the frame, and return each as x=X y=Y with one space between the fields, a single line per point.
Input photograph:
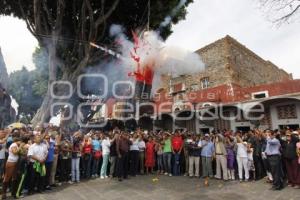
x=176 y=61
x=115 y=30
x=163 y=59
x=55 y=120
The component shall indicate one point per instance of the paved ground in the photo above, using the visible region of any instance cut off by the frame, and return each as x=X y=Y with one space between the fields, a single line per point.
x=166 y=188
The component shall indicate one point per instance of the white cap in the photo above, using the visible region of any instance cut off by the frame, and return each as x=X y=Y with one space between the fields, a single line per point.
x=295 y=133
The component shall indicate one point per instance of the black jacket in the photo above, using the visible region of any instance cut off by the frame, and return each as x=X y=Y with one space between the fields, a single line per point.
x=289 y=148
x=193 y=149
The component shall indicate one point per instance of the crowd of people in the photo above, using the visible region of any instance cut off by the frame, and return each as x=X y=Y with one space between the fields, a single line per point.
x=32 y=161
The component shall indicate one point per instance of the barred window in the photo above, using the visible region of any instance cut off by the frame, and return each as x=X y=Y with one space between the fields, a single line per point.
x=287 y=112
x=204 y=82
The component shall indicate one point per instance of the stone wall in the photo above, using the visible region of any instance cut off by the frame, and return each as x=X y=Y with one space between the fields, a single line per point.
x=216 y=68
x=228 y=61
x=249 y=69
x=216 y=65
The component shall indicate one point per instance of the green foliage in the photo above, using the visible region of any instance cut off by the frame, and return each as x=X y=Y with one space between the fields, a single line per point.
x=41 y=73
x=29 y=87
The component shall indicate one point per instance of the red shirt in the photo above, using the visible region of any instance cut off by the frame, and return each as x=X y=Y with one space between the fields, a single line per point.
x=87 y=148
x=177 y=143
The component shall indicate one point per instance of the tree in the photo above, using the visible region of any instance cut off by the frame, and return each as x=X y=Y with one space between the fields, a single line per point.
x=281 y=11
x=29 y=87
x=65 y=28
x=41 y=72
x=21 y=84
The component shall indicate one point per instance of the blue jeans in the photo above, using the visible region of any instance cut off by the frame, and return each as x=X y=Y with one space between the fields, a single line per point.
x=75 y=169
x=104 y=165
x=176 y=166
x=160 y=166
x=95 y=166
x=167 y=162
x=87 y=160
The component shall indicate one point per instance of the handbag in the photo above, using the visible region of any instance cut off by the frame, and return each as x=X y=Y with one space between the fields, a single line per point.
x=97 y=154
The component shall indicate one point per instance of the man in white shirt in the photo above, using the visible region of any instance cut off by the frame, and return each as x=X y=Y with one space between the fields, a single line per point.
x=134 y=155
x=37 y=153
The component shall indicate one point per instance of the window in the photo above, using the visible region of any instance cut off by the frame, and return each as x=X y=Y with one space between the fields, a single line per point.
x=207 y=105
x=287 y=112
x=194 y=87
x=260 y=95
x=204 y=82
x=177 y=88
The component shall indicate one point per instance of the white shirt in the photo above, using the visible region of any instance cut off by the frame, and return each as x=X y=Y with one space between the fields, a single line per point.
x=105 y=146
x=142 y=145
x=242 y=150
x=12 y=157
x=135 y=145
x=40 y=151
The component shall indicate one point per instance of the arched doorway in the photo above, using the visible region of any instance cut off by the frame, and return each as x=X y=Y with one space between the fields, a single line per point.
x=185 y=120
x=146 y=123
x=114 y=123
x=164 y=122
x=130 y=124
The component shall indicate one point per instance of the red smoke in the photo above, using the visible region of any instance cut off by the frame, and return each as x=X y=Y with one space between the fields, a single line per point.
x=143 y=73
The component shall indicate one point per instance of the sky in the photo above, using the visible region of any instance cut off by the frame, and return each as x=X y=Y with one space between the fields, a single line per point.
x=206 y=22
x=17 y=44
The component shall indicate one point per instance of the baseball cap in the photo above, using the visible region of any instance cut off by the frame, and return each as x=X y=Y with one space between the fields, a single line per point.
x=295 y=133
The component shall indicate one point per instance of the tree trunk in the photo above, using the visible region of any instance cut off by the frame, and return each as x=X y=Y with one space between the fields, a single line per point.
x=43 y=115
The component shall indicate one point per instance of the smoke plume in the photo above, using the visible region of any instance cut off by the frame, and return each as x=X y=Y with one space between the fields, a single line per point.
x=153 y=52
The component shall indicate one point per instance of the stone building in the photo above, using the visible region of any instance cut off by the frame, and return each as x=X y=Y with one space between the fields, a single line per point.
x=234 y=78
x=229 y=62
